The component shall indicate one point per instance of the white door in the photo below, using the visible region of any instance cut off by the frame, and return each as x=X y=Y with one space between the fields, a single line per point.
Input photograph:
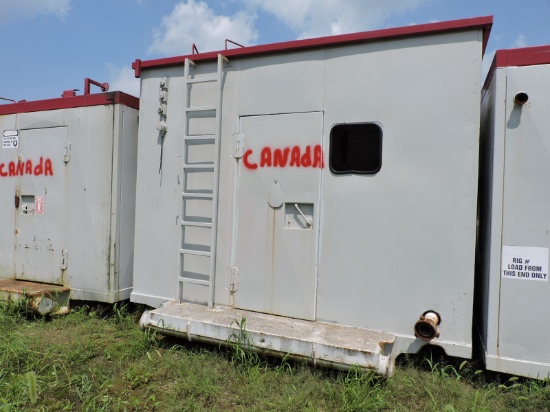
x=278 y=213
x=40 y=171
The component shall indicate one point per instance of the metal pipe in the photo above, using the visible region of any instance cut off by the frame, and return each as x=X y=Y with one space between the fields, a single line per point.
x=233 y=42
x=87 y=82
x=426 y=327
x=521 y=98
x=137 y=68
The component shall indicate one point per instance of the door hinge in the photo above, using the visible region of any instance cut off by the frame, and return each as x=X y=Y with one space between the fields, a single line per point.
x=17 y=198
x=237 y=145
x=64 y=259
x=67 y=152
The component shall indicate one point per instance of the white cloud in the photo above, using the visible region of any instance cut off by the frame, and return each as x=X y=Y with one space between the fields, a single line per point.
x=313 y=18
x=123 y=79
x=22 y=9
x=195 y=22
x=521 y=41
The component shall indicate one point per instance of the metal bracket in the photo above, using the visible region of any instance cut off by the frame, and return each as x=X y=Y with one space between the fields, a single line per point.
x=163 y=97
x=67 y=152
x=232 y=273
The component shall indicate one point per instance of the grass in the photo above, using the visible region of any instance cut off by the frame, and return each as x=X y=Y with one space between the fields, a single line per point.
x=97 y=359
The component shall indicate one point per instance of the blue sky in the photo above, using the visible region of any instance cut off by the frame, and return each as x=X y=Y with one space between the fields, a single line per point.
x=51 y=45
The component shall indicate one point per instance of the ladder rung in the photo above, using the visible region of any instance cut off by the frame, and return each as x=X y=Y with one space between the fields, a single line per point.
x=195 y=252
x=198 y=195
x=205 y=166
x=200 y=137
x=196 y=281
x=201 y=109
x=202 y=80
x=196 y=224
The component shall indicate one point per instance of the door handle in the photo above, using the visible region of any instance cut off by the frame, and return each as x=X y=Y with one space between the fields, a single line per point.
x=308 y=223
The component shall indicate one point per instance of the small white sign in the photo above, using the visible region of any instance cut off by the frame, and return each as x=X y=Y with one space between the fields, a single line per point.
x=10 y=139
x=525 y=263
x=39 y=205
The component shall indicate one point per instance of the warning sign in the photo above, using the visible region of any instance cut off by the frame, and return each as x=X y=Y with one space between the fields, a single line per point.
x=10 y=139
x=525 y=263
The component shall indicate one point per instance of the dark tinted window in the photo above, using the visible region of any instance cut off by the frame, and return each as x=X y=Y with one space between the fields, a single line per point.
x=356 y=148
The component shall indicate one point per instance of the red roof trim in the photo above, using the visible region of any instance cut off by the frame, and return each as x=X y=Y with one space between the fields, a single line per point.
x=97 y=99
x=524 y=56
x=483 y=23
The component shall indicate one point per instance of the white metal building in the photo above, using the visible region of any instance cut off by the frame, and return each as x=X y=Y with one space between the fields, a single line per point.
x=67 y=184
x=513 y=288
x=325 y=190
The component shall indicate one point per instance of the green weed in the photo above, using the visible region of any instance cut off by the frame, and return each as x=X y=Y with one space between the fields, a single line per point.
x=241 y=347
x=359 y=390
x=32 y=386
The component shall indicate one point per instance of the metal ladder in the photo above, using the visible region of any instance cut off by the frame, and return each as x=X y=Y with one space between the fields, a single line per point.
x=188 y=271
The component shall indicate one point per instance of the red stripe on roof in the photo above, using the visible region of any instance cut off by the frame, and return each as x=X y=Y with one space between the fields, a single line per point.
x=481 y=23
x=97 y=99
x=524 y=56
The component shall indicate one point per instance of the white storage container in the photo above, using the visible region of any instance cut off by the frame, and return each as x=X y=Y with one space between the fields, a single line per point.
x=67 y=184
x=513 y=288
x=318 y=188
